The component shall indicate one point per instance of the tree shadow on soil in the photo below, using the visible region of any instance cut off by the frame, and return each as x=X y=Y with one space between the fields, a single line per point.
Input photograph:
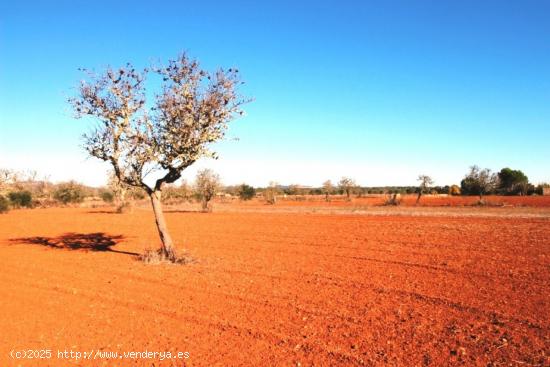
x=78 y=241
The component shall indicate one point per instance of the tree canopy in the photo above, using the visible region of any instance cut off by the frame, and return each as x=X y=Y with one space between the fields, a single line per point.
x=190 y=112
x=512 y=182
x=478 y=182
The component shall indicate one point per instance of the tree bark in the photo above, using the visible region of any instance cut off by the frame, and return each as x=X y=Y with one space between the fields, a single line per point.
x=167 y=243
x=204 y=205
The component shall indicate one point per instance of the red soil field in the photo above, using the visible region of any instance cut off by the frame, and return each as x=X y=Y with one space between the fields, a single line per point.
x=285 y=289
x=410 y=200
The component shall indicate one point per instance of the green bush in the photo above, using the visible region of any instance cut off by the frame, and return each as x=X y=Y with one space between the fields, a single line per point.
x=539 y=190
x=137 y=193
x=246 y=192
x=107 y=196
x=20 y=199
x=512 y=182
x=70 y=192
x=4 y=204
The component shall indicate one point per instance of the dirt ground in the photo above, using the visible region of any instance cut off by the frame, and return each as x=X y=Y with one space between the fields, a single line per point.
x=277 y=289
x=406 y=201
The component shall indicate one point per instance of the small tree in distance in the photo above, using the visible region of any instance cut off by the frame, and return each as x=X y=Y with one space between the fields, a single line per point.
x=454 y=190
x=425 y=182
x=69 y=193
x=7 y=178
x=190 y=111
x=512 y=182
x=246 y=192
x=293 y=189
x=20 y=199
x=327 y=189
x=270 y=193
x=107 y=196
x=206 y=185
x=478 y=181
x=347 y=185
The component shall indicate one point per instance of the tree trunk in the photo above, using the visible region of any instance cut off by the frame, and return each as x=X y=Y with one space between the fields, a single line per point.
x=167 y=244
x=418 y=197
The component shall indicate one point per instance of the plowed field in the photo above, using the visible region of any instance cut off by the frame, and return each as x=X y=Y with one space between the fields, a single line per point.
x=276 y=289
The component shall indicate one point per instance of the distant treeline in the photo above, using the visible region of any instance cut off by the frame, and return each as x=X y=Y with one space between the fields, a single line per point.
x=18 y=189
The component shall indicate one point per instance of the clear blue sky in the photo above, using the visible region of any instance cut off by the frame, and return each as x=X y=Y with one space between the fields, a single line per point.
x=377 y=90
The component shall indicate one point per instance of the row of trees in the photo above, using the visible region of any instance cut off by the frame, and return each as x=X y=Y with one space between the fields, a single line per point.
x=505 y=182
x=476 y=182
x=26 y=190
x=20 y=189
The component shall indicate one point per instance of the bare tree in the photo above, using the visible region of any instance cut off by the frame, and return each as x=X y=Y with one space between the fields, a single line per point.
x=347 y=185
x=7 y=177
x=120 y=190
x=191 y=111
x=293 y=189
x=30 y=175
x=44 y=187
x=206 y=185
x=424 y=186
x=271 y=192
x=327 y=189
x=479 y=181
x=11 y=179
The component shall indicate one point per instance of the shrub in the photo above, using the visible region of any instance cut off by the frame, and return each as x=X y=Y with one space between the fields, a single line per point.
x=107 y=196
x=70 y=192
x=4 y=204
x=20 y=199
x=539 y=190
x=246 y=192
x=137 y=193
x=454 y=190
